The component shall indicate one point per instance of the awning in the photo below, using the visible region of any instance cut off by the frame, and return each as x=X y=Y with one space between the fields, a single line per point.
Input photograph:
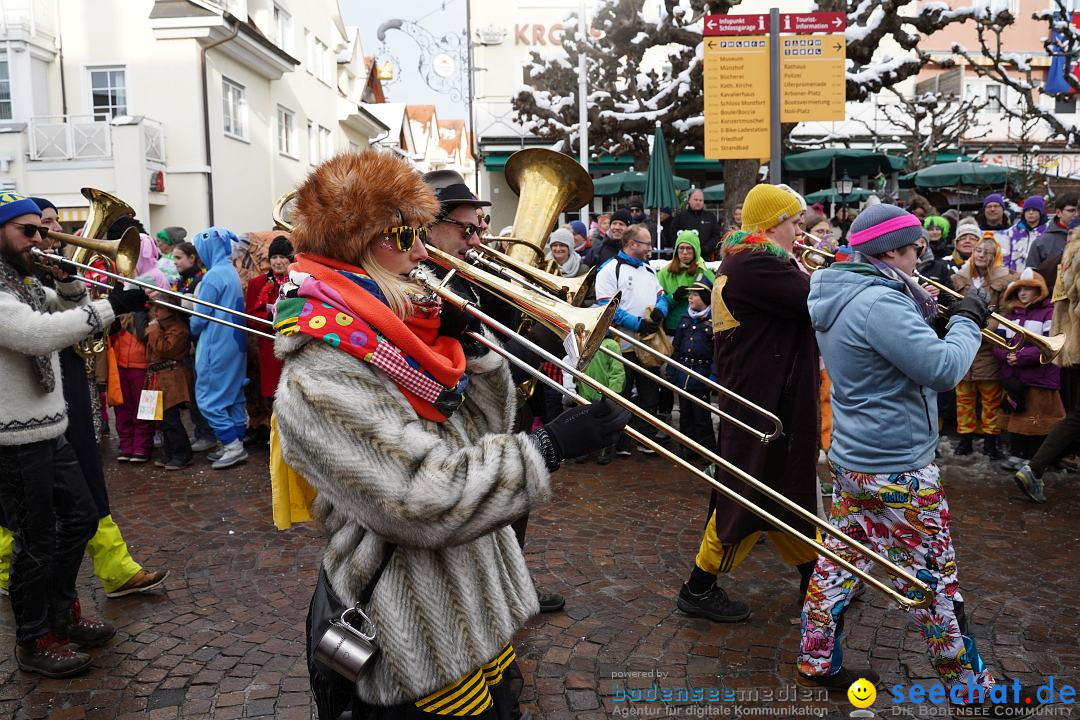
x=70 y=215
x=697 y=161
x=494 y=162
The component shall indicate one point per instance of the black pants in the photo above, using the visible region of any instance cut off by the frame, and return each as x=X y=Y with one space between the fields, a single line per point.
x=667 y=401
x=52 y=517
x=1060 y=439
x=648 y=396
x=174 y=436
x=1025 y=446
x=695 y=421
x=80 y=431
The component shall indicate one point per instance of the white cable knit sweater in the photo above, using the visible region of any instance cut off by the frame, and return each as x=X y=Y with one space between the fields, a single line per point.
x=27 y=413
x=456 y=588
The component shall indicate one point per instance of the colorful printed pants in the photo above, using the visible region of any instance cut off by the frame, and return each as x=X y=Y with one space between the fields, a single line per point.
x=905 y=518
x=989 y=394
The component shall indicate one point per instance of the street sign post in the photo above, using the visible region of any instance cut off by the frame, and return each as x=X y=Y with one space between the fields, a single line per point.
x=756 y=78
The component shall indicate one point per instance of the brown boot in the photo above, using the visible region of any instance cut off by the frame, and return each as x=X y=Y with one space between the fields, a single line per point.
x=73 y=627
x=142 y=581
x=47 y=655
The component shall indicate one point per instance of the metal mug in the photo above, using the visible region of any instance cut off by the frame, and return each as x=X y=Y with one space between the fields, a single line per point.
x=347 y=649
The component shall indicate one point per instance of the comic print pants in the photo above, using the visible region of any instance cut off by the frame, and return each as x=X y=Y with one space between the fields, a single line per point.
x=905 y=518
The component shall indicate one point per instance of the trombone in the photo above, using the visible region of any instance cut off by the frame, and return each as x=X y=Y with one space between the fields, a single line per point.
x=574 y=290
x=919 y=594
x=811 y=257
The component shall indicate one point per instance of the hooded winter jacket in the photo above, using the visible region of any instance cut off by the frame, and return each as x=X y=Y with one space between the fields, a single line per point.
x=672 y=281
x=886 y=365
x=985 y=366
x=1037 y=318
x=1050 y=244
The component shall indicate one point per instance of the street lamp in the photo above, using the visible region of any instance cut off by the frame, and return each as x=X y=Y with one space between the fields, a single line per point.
x=843 y=188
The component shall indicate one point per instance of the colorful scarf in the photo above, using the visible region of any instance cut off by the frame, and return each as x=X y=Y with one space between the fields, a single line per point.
x=29 y=290
x=739 y=240
x=189 y=279
x=342 y=306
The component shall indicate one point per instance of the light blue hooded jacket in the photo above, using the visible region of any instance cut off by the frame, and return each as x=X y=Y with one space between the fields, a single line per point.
x=221 y=351
x=887 y=366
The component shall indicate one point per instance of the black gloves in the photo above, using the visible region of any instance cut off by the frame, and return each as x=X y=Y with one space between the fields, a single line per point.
x=648 y=327
x=681 y=293
x=125 y=301
x=974 y=306
x=581 y=430
x=656 y=316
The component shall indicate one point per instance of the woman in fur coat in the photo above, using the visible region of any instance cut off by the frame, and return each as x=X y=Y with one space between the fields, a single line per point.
x=404 y=434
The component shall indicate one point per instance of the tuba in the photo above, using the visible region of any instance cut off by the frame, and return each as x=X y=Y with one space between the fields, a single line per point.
x=105 y=209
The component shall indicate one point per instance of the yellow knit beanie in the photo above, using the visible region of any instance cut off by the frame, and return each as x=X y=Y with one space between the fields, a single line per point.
x=766 y=206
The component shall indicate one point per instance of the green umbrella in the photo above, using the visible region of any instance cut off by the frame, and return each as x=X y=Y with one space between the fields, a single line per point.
x=829 y=195
x=714 y=193
x=659 y=185
x=956 y=174
x=827 y=162
x=631 y=181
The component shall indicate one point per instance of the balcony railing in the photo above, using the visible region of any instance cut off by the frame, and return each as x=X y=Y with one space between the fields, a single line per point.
x=153 y=140
x=69 y=137
x=27 y=17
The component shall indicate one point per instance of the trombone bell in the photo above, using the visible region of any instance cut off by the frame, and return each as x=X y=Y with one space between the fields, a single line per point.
x=123 y=252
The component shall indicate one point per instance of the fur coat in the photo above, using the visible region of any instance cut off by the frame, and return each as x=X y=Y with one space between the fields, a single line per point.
x=456 y=588
x=985 y=366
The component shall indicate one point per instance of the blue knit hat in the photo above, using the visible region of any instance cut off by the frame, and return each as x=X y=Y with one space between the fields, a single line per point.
x=880 y=228
x=1036 y=202
x=579 y=228
x=12 y=205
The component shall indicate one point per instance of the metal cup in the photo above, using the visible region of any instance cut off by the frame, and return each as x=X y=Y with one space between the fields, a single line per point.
x=348 y=647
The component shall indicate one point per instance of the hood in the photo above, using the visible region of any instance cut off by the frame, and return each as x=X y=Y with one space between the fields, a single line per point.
x=689 y=237
x=148 y=255
x=832 y=288
x=214 y=246
x=1028 y=278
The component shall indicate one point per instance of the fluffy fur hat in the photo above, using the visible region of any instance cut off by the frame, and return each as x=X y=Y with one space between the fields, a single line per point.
x=346 y=202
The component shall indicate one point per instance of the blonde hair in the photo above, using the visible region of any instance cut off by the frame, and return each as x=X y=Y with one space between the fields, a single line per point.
x=397 y=291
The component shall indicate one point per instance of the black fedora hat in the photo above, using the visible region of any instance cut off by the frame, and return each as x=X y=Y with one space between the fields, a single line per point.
x=451 y=191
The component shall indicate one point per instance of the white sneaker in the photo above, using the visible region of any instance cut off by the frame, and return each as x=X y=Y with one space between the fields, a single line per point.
x=234 y=453
x=203 y=444
x=215 y=454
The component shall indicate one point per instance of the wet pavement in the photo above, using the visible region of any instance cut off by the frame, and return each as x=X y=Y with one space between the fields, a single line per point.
x=225 y=637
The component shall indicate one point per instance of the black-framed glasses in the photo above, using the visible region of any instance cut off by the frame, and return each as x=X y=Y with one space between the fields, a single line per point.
x=29 y=230
x=405 y=236
x=468 y=228
x=483 y=220
x=920 y=250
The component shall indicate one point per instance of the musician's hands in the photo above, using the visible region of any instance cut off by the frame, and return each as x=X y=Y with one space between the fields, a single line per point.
x=581 y=430
x=933 y=290
x=975 y=306
x=125 y=301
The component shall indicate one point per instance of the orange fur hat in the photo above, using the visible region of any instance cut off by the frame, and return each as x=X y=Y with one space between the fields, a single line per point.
x=346 y=202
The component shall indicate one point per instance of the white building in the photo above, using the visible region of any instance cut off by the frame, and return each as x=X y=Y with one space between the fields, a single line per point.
x=193 y=112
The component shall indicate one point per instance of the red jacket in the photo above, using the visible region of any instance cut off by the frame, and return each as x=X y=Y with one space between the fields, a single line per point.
x=261 y=295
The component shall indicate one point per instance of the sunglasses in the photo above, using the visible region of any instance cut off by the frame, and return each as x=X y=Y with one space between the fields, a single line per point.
x=29 y=230
x=405 y=236
x=469 y=228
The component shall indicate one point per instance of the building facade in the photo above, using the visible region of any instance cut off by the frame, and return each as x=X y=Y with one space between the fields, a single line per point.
x=193 y=112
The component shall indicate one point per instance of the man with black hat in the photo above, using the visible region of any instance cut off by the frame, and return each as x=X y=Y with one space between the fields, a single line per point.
x=460 y=226
x=603 y=251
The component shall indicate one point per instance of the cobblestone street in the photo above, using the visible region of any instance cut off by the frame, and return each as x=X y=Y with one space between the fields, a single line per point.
x=225 y=639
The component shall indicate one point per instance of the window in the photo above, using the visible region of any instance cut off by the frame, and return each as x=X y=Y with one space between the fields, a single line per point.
x=5 y=90
x=321 y=60
x=312 y=143
x=326 y=144
x=283 y=29
x=994 y=99
x=108 y=92
x=234 y=109
x=309 y=53
x=286 y=132
x=1062 y=105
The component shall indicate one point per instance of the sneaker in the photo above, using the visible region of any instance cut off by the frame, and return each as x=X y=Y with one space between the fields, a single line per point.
x=1030 y=483
x=73 y=627
x=1013 y=463
x=49 y=656
x=160 y=463
x=171 y=465
x=139 y=458
x=123 y=458
x=645 y=450
x=203 y=444
x=605 y=456
x=713 y=604
x=232 y=454
x=215 y=454
x=140 y=582
x=623 y=452
x=840 y=680
x=550 y=602
x=965 y=446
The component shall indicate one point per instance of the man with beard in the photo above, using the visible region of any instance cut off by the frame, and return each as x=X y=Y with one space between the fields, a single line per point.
x=42 y=490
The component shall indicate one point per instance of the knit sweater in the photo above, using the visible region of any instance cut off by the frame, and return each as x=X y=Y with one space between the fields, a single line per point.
x=28 y=414
x=456 y=588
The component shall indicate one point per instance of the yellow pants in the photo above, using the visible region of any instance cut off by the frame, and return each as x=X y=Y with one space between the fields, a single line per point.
x=113 y=564
x=715 y=556
x=989 y=394
x=826 y=410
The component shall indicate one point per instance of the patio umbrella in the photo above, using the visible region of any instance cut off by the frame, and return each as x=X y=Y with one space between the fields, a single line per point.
x=833 y=162
x=631 y=181
x=659 y=185
x=957 y=174
x=714 y=193
x=829 y=195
